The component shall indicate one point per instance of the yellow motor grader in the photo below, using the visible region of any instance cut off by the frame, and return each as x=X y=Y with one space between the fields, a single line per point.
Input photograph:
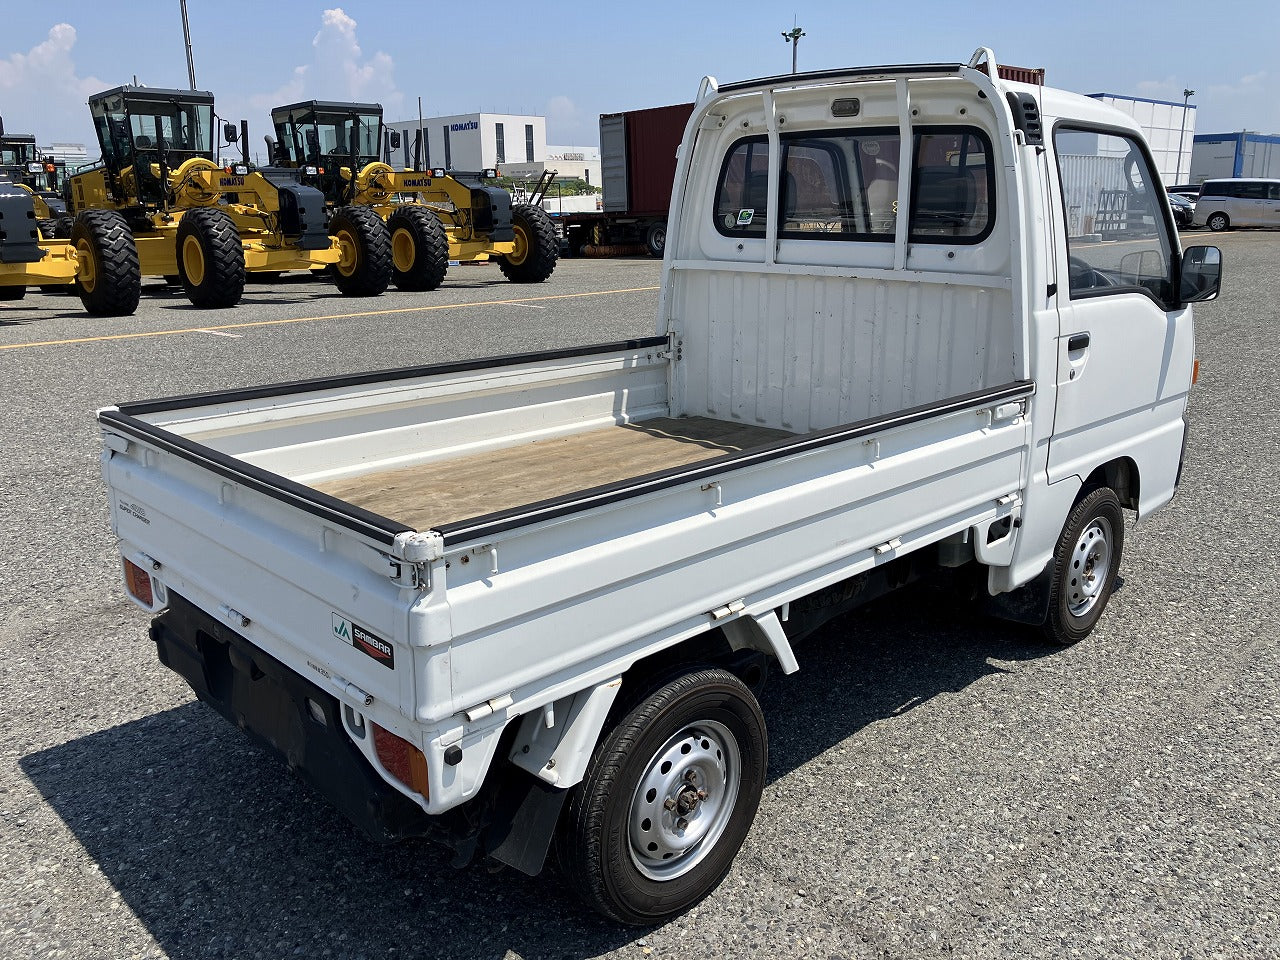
x=433 y=215
x=206 y=224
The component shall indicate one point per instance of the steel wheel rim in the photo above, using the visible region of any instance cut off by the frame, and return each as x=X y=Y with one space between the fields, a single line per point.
x=693 y=778
x=348 y=253
x=520 y=248
x=1090 y=566
x=403 y=250
x=193 y=260
x=86 y=266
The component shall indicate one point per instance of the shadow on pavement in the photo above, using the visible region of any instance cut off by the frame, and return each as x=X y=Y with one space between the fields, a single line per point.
x=220 y=853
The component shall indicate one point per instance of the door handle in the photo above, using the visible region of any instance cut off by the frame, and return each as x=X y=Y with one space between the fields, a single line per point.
x=1077 y=341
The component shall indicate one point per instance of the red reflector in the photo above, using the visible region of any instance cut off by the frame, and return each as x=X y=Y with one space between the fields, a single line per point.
x=401 y=759
x=139 y=583
x=1195 y=372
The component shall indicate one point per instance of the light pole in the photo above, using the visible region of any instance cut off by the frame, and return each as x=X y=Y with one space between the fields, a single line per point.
x=1186 y=95
x=792 y=37
x=186 y=34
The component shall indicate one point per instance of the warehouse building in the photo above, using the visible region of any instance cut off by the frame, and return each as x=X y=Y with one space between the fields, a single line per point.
x=1219 y=155
x=1168 y=125
x=474 y=141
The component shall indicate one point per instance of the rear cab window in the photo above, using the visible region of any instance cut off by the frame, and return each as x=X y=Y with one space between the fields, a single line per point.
x=844 y=185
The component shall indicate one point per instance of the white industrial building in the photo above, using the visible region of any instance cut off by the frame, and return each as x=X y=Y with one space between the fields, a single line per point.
x=474 y=141
x=1170 y=129
x=1245 y=154
x=514 y=143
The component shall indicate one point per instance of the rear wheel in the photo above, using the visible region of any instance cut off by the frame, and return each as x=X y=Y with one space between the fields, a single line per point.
x=210 y=258
x=108 y=275
x=419 y=248
x=1218 y=222
x=655 y=239
x=364 y=265
x=534 y=258
x=1085 y=564
x=667 y=799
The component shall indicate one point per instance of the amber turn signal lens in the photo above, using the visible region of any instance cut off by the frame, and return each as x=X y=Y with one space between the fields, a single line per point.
x=1195 y=371
x=401 y=759
x=139 y=583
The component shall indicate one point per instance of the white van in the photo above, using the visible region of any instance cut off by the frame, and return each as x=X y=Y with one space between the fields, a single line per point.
x=1238 y=203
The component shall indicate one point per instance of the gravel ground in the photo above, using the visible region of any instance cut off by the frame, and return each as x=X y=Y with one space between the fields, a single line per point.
x=940 y=785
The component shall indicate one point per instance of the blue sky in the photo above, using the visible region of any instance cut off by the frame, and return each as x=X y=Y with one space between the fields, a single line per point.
x=573 y=62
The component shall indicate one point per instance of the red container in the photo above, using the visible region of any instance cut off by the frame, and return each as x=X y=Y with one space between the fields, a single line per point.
x=653 y=136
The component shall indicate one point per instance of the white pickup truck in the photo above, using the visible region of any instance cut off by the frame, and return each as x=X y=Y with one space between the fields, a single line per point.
x=912 y=318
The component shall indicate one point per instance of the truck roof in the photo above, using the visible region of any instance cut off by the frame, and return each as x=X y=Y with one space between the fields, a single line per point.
x=334 y=105
x=155 y=93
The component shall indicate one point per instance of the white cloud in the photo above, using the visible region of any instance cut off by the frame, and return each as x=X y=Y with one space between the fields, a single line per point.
x=42 y=91
x=339 y=70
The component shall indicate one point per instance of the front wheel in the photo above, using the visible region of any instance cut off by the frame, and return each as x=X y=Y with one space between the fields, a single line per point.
x=210 y=258
x=667 y=799
x=1218 y=222
x=108 y=273
x=1085 y=564
x=364 y=265
x=536 y=249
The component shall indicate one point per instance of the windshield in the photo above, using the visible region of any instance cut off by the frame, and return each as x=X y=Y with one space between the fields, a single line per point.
x=311 y=136
x=13 y=154
x=125 y=125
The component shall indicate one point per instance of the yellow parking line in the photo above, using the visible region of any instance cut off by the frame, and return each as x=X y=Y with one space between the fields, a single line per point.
x=332 y=316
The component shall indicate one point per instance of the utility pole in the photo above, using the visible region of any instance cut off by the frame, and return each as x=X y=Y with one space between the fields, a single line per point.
x=186 y=33
x=792 y=37
x=1186 y=95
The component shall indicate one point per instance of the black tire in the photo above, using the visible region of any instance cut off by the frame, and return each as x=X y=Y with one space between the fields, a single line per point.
x=1078 y=592
x=109 y=277
x=12 y=293
x=537 y=250
x=48 y=228
x=1218 y=222
x=419 y=248
x=705 y=716
x=365 y=269
x=210 y=258
x=655 y=239
x=62 y=227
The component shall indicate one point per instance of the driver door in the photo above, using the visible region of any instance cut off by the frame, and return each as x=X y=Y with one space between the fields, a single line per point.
x=1125 y=349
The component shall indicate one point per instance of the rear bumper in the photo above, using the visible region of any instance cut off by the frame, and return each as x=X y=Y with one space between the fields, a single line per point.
x=286 y=715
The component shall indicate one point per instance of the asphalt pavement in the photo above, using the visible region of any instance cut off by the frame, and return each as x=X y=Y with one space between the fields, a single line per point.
x=939 y=784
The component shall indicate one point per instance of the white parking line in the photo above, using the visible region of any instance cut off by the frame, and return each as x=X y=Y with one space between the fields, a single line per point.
x=221 y=333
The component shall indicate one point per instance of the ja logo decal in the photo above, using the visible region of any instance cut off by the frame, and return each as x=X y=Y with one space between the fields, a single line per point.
x=342 y=629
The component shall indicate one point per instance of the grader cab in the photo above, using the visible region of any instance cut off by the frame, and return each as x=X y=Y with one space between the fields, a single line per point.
x=22 y=165
x=206 y=224
x=433 y=216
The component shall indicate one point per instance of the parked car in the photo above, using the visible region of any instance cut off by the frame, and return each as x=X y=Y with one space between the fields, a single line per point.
x=1238 y=203
x=1184 y=210
x=1191 y=190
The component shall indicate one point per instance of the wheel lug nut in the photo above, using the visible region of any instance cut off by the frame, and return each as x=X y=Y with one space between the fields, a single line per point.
x=689 y=776
x=670 y=803
x=682 y=823
x=702 y=794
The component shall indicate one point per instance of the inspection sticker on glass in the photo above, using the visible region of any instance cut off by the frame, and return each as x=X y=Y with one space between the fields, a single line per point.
x=746 y=216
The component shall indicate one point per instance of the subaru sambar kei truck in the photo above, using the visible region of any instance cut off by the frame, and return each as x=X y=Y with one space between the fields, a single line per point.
x=911 y=318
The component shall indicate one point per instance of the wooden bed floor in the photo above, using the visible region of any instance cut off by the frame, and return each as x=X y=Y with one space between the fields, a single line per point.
x=444 y=491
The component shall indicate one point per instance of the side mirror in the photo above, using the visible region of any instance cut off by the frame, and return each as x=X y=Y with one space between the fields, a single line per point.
x=230 y=133
x=1201 y=274
x=395 y=139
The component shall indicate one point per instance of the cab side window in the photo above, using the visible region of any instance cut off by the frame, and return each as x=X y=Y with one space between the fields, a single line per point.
x=1114 y=208
x=742 y=197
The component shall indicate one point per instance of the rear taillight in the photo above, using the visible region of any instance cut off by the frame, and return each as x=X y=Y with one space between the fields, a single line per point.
x=139 y=583
x=401 y=759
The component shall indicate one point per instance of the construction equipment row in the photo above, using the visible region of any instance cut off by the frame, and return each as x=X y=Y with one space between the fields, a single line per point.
x=160 y=203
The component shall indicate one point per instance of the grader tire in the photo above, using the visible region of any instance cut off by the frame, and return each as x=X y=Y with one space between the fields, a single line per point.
x=419 y=249
x=365 y=267
x=48 y=228
x=210 y=258
x=108 y=276
x=536 y=252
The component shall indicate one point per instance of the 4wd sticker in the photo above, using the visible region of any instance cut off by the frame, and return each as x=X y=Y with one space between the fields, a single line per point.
x=370 y=644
